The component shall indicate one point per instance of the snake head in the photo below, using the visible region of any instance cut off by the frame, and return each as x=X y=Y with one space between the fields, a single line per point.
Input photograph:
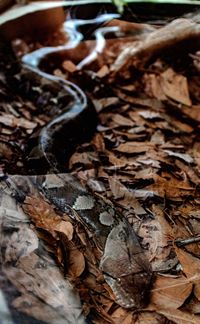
x=126 y=268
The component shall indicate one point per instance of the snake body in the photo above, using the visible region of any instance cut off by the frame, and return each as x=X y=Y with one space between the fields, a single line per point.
x=123 y=262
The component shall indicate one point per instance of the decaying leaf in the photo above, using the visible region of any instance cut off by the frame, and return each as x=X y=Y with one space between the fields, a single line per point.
x=45 y=217
x=175 y=87
x=76 y=263
x=170 y=292
x=191 y=266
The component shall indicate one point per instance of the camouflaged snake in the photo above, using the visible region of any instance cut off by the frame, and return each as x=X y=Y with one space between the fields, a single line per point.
x=123 y=262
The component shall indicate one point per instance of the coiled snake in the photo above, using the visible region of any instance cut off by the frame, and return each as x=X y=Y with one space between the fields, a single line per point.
x=125 y=267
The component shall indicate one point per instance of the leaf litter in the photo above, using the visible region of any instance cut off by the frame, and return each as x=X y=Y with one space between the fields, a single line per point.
x=145 y=158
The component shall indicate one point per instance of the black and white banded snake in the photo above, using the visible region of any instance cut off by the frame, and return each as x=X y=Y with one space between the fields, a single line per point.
x=123 y=262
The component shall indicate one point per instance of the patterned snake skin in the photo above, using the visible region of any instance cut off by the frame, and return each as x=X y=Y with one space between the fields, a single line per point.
x=123 y=262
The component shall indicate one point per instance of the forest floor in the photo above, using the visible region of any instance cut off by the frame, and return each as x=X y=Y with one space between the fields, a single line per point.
x=144 y=157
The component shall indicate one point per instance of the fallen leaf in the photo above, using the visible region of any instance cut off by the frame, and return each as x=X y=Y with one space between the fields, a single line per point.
x=191 y=268
x=175 y=86
x=153 y=86
x=134 y=147
x=148 y=317
x=192 y=112
x=122 y=121
x=178 y=316
x=45 y=217
x=11 y=121
x=103 y=103
x=65 y=228
x=103 y=71
x=170 y=187
x=69 y=66
x=76 y=263
x=170 y=292
x=126 y=198
x=183 y=156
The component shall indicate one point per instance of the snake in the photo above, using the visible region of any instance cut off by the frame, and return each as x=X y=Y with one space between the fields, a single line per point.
x=123 y=262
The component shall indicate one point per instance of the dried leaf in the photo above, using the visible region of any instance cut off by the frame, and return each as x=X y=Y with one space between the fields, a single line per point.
x=175 y=86
x=183 y=156
x=126 y=197
x=11 y=121
x=69 y=66
x=76 y=263
x=45 y=217
x=170 y=292
x=178 y=316
x=122 y=121
x=134 y=147
x=105 y=103
x=170 y=187
x=65 y=228
x=191 y=272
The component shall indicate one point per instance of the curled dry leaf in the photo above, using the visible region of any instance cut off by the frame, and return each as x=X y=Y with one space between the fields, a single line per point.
x=65 y=228
x=186 y=157
x=76 y=263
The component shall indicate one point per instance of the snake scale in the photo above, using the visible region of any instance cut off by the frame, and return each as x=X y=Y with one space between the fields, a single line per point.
x=123 y=263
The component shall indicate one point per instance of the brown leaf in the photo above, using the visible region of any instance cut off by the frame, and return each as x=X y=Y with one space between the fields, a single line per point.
x=190 y=172
x=69 y=66
x=45 y=217
x=76 y=263
x=134 y=147
x=6 y=151
x=121 y=120
x=178 y=316
x=191 y=268
x=65 y=228
x=126 y=197
x=153 y=86
x=175 y=86
x=183 y=156
x=98 y=142
x=169 y=186
x=122 y=316
x=103 y=71
x=149 y=317
x=192 y=112
x=117 y=162
x=84 y=158
x=170 y=292
x=100 y=104
x=11 y=121
x=196 y=153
